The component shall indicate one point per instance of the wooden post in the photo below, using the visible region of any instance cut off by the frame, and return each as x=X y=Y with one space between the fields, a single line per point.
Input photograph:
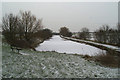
x=18 y=49
x=12 y=48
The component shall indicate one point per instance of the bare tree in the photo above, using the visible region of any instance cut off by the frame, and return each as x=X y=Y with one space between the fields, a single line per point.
x=108 y=35
x=21 y=29
x=84 y=34
x=10 y=27
x=102 y=34
x=30 y=24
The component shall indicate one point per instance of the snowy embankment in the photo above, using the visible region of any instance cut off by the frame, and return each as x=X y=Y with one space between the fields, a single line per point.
x=99 y=44
x=58 y=44
x=51 y=65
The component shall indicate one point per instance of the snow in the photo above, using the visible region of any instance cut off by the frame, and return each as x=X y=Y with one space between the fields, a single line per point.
x=23 y=53
x=58 y=44
x=109 y=46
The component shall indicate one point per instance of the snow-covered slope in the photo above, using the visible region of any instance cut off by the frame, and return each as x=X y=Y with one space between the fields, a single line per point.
x=56 y=43
x=51 y=65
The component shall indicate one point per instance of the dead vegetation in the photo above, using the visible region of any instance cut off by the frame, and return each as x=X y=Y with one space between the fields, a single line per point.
x=105 y=59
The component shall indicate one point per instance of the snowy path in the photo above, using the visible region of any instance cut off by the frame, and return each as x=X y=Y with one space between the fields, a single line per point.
x=56 y=43
x=105 y=45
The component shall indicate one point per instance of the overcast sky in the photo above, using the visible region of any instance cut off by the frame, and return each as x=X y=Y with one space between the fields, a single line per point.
x=74 y=15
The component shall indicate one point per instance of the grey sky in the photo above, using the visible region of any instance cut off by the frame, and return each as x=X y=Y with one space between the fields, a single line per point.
x=73 y=15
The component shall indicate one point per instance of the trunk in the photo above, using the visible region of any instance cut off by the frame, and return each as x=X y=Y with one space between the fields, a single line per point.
x=33 y=49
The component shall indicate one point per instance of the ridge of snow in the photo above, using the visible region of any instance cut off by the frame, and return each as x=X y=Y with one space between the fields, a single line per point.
x=24 y=53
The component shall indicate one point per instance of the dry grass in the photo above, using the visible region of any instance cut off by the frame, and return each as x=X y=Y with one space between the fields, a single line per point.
x=108 y=60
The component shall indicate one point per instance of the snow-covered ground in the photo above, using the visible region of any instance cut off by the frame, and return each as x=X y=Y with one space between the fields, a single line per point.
x=58 y=44
x=51 y=65
x=109 y=46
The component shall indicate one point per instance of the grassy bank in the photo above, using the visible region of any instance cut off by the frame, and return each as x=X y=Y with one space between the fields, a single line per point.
x=51 y=65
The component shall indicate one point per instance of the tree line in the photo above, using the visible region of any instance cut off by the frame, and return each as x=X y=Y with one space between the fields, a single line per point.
x=104 y=34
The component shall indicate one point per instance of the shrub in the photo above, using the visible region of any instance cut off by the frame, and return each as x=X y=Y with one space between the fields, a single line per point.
x=64 y=31
x=46 y=33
